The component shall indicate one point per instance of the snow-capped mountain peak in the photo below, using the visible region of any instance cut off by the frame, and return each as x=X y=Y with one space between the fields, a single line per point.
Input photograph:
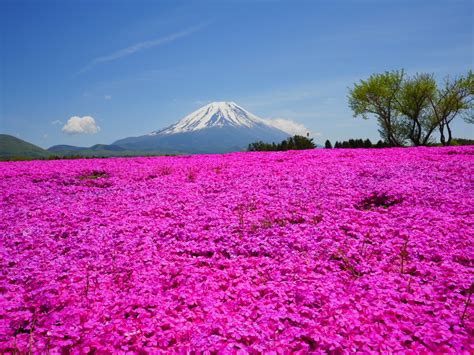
x=218 y=127
x=215 y=114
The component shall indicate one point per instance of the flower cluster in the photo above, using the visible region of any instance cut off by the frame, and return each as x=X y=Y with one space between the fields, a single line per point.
x=321 y=250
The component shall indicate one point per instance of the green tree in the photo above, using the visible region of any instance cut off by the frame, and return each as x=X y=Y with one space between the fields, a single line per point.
x=256 y=146
x=292 y=143
x=302 y=142
x=413 y=104
x=454 y=98
x=377 y=96
x=410 y=109
x=381 y=144
x=328 y=144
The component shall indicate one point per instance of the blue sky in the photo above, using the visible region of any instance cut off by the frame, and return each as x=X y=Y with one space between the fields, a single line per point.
x=137 y=66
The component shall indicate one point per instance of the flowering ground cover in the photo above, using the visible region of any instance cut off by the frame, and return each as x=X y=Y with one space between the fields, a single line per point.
x=324 y=250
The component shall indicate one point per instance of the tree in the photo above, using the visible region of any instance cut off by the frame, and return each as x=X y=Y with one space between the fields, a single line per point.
x=328 y=144
x=292 y=143
x=378 y=96
x=256 y=146
x=381 y=144
x=413 y=104
x=301 y=142
x=454 y=98
x=410 y=109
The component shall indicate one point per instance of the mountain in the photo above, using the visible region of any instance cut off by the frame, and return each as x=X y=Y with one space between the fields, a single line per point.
x=97 y=150
x=15 y=148
x=218 y=127
x=63 y=148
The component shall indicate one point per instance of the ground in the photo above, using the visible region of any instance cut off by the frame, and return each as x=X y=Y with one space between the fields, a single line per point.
x=323 y=250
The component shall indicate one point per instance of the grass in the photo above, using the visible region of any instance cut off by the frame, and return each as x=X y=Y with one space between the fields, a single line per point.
x=95 y=174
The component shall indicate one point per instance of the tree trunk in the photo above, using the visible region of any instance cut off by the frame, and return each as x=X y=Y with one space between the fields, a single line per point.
x=428 y=135
x=412 y=134
x=418 y=135
x=386 y=126
x=441 y=134
x=392 y=140
x=450 y=137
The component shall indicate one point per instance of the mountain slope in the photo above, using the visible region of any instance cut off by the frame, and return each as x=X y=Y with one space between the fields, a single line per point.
x=97 y=150
x=12 y=147
x=218 y=127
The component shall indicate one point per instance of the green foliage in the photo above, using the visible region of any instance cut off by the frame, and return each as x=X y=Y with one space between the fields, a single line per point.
x=377 y=96
x=413 y=104
x=328 y=144
x=468 y=86
x=462 y=141
x=93 y=175
x=292 y=143
x=360 y=143
x=409 y=109
x=455 y=98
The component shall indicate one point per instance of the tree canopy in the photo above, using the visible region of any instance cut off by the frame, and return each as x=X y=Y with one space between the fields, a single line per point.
x=410 y=109
x=361 y=143
x=291 y=143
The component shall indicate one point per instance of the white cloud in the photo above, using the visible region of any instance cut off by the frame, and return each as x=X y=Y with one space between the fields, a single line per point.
x=107 y=97
x=56 y=122
x=81 y=125
x=141 y=46
x=288 y=126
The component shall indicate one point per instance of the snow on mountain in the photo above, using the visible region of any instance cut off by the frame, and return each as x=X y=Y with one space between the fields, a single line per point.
x=215 y=114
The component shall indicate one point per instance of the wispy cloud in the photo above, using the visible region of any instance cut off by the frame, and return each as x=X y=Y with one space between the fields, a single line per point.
x=288 y=126
x=143 y=45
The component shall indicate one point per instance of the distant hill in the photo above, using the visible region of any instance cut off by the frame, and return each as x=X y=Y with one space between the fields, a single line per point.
x=97 y=150
x=58 y=149
x=15 y=148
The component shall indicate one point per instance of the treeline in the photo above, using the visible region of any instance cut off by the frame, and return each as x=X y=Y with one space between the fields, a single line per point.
x=72 y=157
x=411 y=109
x=462 y=141
x=366 y=143
x=292 y=143
x=357 y=143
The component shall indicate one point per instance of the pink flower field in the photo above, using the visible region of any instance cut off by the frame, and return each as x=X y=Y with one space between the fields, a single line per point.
x=312 y=251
